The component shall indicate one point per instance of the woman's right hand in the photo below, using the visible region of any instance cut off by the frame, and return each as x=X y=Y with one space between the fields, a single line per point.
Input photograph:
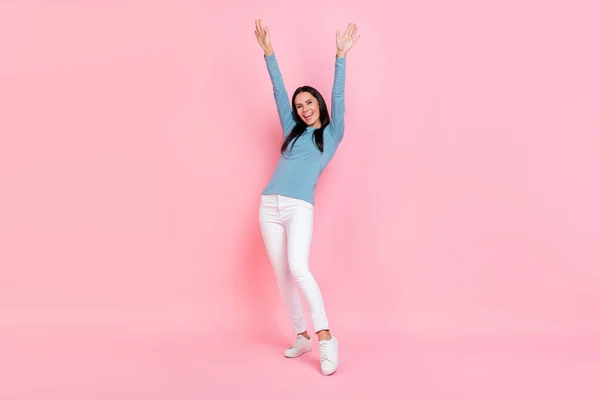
x=263 y=38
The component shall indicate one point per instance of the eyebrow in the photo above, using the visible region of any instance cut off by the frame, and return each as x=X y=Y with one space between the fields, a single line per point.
x=305 y=102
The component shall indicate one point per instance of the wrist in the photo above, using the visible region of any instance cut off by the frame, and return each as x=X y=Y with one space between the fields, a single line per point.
x=340 y=54
x=268 y=50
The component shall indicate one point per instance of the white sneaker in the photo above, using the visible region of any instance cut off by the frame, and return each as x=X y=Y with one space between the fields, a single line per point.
x=329 y=355
x=301 y=346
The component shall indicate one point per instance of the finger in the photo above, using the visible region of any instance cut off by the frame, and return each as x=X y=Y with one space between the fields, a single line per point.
x=337 y=33
x=348 y=29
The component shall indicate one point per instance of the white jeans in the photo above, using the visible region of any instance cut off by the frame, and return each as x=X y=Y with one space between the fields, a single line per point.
x=286 y=225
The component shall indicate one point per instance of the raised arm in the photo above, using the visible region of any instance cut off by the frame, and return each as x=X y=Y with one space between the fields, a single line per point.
x=284 y=110
x=338 y=106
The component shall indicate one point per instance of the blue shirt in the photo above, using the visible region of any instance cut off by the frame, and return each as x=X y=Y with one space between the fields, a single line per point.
x=298 y=171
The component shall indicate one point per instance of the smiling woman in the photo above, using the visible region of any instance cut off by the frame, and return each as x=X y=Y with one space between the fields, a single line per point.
x=287 y=205
x=307 y=106
x=309 y=111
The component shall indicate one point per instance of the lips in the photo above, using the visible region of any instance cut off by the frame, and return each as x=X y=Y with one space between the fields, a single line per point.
x=308 y=116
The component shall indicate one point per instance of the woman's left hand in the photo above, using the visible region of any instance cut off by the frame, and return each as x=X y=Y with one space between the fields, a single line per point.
x=345 y=42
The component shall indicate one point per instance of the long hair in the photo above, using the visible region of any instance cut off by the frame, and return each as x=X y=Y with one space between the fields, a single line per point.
x=301 y=126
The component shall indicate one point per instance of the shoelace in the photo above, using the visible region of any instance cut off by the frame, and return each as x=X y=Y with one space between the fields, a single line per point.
x=323 y=347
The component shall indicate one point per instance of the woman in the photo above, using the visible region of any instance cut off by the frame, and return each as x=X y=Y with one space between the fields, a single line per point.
x=287 y=203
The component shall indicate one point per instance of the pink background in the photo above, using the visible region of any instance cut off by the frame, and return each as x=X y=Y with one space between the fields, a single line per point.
x=136 y=138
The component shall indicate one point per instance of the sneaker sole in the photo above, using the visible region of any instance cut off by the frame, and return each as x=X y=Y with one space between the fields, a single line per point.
x=304 y=352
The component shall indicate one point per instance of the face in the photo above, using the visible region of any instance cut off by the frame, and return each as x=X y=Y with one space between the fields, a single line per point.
x=307 y=107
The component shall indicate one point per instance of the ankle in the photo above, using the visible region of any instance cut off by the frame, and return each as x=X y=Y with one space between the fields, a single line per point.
x=324 y=335
x=305 y=334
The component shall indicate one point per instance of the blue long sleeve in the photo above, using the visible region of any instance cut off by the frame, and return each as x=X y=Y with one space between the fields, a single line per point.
x=284 y=110
x=338 y=105
x=298 y=170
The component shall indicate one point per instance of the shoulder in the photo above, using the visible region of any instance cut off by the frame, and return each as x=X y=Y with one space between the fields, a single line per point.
x=329 y=132
x=330 y=128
